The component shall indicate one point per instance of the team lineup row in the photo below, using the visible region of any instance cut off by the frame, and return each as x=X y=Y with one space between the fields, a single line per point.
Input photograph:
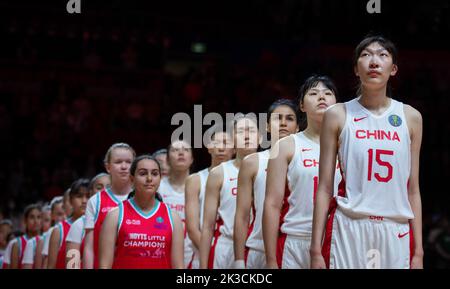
x=275 y=208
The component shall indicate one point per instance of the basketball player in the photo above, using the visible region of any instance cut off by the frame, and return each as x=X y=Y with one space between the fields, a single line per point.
x=292 y=181
x=282 y=121
x=378 y=142
x=75 y=237
x=143 y=232
x=57 y=248
x=161 y=157
x=220 y=199
x=32 y=216
x=117 y=162
x=172 y=187
x=221 y=149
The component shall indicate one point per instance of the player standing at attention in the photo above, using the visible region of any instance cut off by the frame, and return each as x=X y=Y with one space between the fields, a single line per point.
x=142 y=233
x=57 y=249
x=117 y=162
x=75 y=237
x=161 y=157
x=220 y=198
x=221 y=149
x=292 y=178
x=378 y=143
x=249 y=252
x=172 y=187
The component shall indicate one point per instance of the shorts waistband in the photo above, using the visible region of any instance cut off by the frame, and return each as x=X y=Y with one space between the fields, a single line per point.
x=379 y=219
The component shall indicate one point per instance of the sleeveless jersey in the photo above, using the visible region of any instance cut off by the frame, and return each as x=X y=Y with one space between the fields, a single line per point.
x=375 y=156
x=302 y=183
x=22 y=243
x=106 y=201
x=144 y=241
x=228 y=192
x=64 y=228
x=255 y=239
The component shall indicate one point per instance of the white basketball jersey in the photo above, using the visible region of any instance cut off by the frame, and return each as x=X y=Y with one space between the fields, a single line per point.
x=255 y=240
x=376 y=161
x=302 y=183
x=227 y=206
x=203 y=174
x=174 y=199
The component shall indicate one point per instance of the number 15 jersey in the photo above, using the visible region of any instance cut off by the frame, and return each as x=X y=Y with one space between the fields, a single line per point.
x=375 y=157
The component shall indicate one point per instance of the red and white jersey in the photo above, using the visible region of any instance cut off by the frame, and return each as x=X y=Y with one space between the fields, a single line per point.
x=144 y=241
x=30 y=250
x=255 y=239
x=203 y=174
x=302 y=183
x=64 y=228
x=374 y=151
x=227 y=205
x=98 y=207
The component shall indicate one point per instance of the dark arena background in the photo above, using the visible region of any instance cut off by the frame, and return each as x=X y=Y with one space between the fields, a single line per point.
x=73 y=84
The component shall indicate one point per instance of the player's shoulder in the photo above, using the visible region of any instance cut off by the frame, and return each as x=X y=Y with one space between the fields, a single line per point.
x=216 y=172
x=336 y=110
x=251 y=158
x=412 y=113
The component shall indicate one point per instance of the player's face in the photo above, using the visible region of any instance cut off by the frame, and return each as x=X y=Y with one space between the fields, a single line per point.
x=33 y=221
x=58 y=213
x=119 y=165
x=67 y=206
x=101 y=183
x=46 y=219
x=317 y=100
x=283 y=122
x=79 y=201
x=375 y=66
x=162 y=159
x=147 y=177
x=180 y=155
x=221 y=147
x=246 y=135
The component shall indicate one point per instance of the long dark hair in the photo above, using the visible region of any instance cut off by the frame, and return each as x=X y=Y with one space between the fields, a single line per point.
x=133 y=168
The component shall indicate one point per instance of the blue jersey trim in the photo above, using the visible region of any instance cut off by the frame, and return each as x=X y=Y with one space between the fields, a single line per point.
x=142 y=214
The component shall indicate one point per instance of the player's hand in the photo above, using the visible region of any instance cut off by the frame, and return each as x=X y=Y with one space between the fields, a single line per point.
x=417 y=262
x=238 y=264
x=317 y=262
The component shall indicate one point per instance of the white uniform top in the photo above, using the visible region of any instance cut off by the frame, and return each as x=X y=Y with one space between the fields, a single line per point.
x=302 y=181
x=227 y=205
x=173 y=198
x=8 y=251
x=203 y=174
x=46 y=237
x=30 y=251
x=76 y=231
x=92 y=207
x=255 y=240
x=375 y=156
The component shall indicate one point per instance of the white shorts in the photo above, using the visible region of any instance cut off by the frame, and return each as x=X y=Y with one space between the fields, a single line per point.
x=295 y=252
x=188 y=251
x=222 y=254
x=360 y=242
x=256 y=259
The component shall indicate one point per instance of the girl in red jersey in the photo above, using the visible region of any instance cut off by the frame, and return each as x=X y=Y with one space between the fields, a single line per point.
x=32 y=216
x=142 y=233
x=117 y=162
x=57 y=248
x=75 y=237
x=378 y=141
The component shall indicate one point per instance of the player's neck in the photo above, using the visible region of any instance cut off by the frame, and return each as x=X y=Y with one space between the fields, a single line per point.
x=374 y=99
x=177 y=178
x=214 y=163
x=145 y=203
x=121 y=189
x=312 y=131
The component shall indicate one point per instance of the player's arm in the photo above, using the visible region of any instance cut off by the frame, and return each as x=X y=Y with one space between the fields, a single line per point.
x=177 y=253
x=14 y=256
x=212 y=198
x=88 y=252
x=280 y=156
x=38 y=255
x=53 y=248
x=333 y=119
x=107 y=239
x=244 y=199
x=414 y=119
x=192 y=191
